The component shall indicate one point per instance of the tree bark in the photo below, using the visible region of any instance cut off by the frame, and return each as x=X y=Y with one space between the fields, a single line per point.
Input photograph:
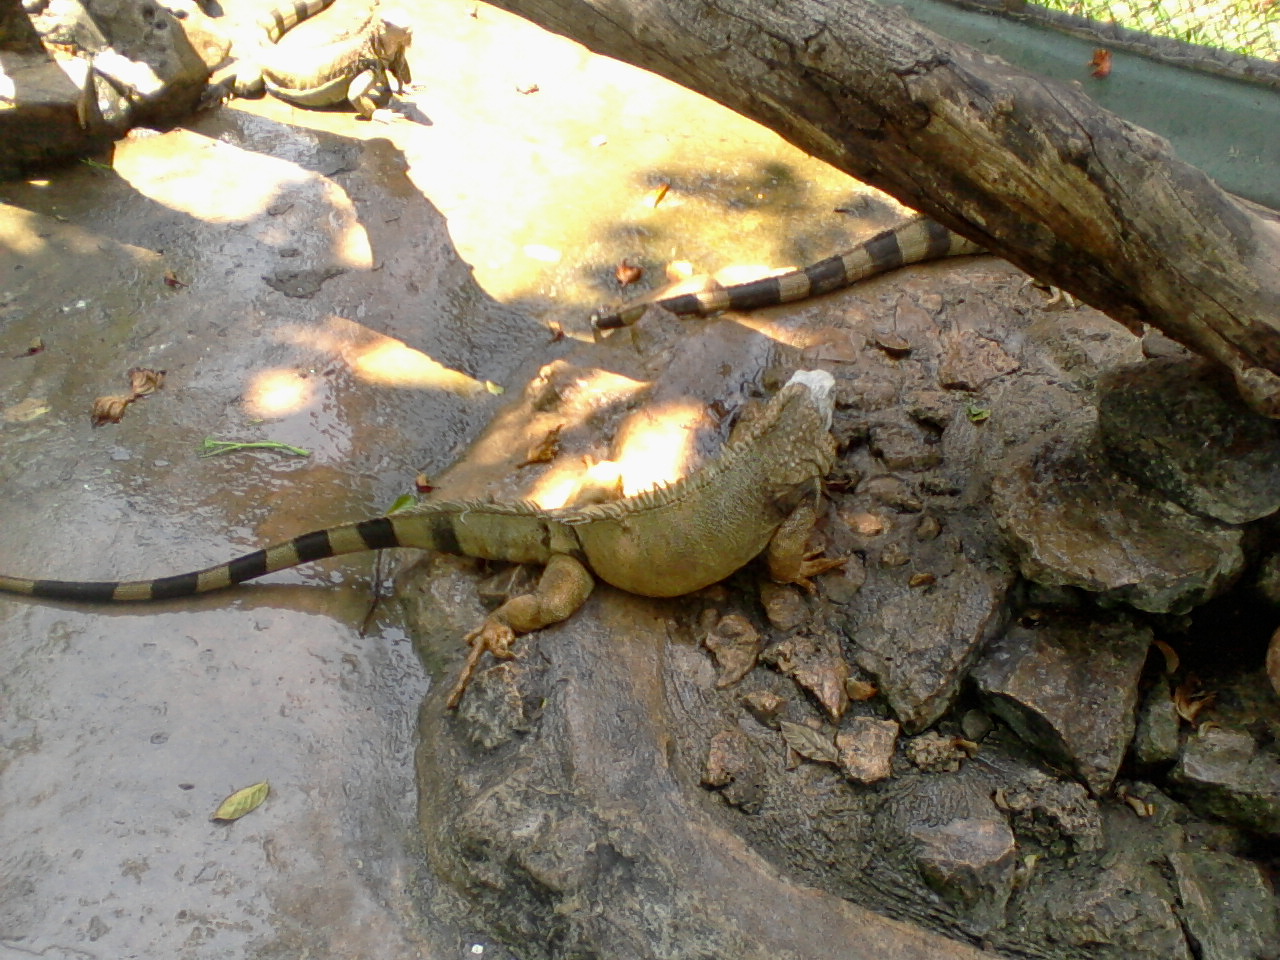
x=1030 y=168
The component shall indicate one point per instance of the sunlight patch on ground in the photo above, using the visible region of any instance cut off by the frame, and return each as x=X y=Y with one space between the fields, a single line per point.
x=277 y=393
x=658 y=444
x=237 y=186
x=379 y=359
x=20 y=232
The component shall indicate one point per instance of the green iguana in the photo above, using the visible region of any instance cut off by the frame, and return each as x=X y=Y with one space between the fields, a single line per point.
x=355 y=64
x=911 y=242
x=759 y=496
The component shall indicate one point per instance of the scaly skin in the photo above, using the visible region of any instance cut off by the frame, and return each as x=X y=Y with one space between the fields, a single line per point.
x=354 y=64
x=914 y=241
x=757 y=497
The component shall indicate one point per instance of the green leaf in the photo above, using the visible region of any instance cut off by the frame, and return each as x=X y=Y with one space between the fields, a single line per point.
x=402 y=502
x=209 y=447
x=241 y=802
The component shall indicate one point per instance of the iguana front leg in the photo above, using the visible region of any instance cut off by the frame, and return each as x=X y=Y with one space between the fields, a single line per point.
x=789 y=560
x=563 y=587
x=369 y=91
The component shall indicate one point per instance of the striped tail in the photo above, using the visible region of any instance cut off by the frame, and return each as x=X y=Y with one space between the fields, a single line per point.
x=358 y=537
x=280 y=20
x=913 y=242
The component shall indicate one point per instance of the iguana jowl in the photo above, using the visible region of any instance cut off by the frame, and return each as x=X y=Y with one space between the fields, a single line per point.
x=758 y=496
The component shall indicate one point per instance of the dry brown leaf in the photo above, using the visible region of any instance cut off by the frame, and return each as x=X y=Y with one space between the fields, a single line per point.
x=922 y=580
x=1171 y=659
x=860 y=690
x=544 y=450
x=144 y=382
x=37 y=346
x=1190 y=701
x=109 y=409
x=241 y=802
x=654 y=196
x=628 y=273
x=1101 y=64
x=1139 y=806
x=865 y=524
x=809 y=743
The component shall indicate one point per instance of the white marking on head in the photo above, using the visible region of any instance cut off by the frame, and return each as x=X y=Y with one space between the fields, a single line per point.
x=822 y=388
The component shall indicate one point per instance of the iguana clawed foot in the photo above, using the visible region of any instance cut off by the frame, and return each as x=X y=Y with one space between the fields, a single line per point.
x=789 y=559
x=491 y=636
x=811 y=565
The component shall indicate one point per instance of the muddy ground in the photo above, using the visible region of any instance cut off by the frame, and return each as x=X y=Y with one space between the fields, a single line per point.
x=357 y=290
x=376 y=294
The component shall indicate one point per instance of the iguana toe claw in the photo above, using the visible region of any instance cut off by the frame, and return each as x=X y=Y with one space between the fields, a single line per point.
x=495 y=638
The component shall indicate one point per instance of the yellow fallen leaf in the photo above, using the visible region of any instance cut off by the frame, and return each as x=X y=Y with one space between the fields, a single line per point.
x=241 y=802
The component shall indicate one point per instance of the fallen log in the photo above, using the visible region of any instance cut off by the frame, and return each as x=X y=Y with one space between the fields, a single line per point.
x=1031 y=168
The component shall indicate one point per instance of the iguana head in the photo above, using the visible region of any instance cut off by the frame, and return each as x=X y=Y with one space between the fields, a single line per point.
x=821 y=387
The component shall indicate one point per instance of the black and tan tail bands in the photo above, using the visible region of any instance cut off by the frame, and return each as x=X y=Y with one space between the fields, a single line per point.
x=913 y=242
x=350 y=538
x=283 y=18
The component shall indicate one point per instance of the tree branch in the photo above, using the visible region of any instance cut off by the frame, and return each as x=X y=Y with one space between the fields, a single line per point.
x=1030 y=168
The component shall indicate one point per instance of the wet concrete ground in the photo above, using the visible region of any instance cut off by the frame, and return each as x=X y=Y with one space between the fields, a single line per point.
x=324 y=301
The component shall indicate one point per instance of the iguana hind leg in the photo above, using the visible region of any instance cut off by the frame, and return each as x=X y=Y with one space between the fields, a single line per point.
x=563 y=587
x=789 y=560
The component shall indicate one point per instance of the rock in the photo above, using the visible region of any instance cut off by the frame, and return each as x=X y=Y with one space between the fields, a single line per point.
x=866 y=748
x=953 y=846
x=301 y=284
x=1178 y=426
x=938 y=753
x=784 y=607
x=1244 y=924
x=1156 y=739
x=735 y=643
x=1223 y=774
x=733 y=769
x=919 y=643
x=970 y=360
x=902 y=445
x=582 y=838
x=765 y=706
x=1054 y=814
x=1074 y=522
x=132 y=63
x=1116 y=904
x=970 y=862
x=45 y=124
x=1069 y=687
x=815 y=662
x=1266 y=579
x=892 y=492
x=975 y=725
